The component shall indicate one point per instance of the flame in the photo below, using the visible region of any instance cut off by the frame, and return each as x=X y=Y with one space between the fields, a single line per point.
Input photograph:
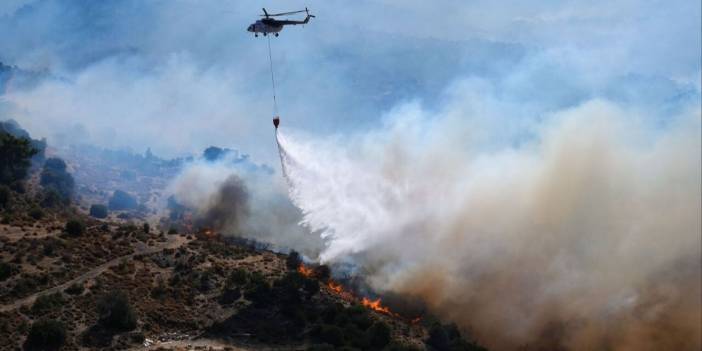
x=416 y=320
x=208 y=233
x=307 y=272
x=376 y=306
x=337 y=288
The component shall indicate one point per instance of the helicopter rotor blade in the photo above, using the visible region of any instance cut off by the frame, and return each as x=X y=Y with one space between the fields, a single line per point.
x=282 y=13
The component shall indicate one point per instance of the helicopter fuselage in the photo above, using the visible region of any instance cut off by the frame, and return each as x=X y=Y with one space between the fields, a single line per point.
x=262 y=27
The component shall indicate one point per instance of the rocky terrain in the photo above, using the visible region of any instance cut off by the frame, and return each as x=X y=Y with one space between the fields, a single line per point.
x=75 y=278
x=185 y=291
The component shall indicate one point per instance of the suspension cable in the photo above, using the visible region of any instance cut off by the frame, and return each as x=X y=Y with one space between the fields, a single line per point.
x=270 y=59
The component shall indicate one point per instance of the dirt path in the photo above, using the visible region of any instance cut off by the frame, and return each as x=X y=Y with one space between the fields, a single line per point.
x=173 y=242
x=188 y=345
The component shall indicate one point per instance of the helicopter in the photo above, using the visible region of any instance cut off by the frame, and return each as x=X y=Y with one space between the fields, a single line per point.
x=271 y=25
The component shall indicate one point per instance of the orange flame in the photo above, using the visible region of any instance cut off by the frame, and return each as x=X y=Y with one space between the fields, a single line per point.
x=376 y=306
x=337 y=288
x=307 y=272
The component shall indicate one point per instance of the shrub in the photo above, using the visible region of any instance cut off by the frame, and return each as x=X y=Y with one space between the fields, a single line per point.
x=158 y=291
x=4 y=196
x=36 y=213
x=15 y=154
x=51 y=198
x=121 y=200
x=172 y=230
x=146 y=228
x=75 y=227
x=46 y=335
x=7 y=270
x=98 y=211
x=238 y=277
x=51 y=247
x=229 y=296
x=205 y=282
x=115 y=312
x=257 y=290
x=214 y=153
x=293 y=261
x=46 y=303
x=75 y=289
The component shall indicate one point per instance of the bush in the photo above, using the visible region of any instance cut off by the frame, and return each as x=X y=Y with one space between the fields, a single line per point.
x=55 y=177
x=115 y=312
x=75 y=289
x=229 y=296
x=238 y=277
x=15 y=154
x=121 y=200
x=98 y=211
x=7 y=270
x=214 y=153
x=146 y=228
x=51 y=247
x=75 y=227
x=47 y=303
x=50 y=198
x=4 y=196
x=257 y=290
x=36 y=213
x=293 y=261
x=46 y=335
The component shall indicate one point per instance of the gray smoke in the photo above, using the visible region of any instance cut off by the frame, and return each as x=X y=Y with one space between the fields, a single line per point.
x=227 y=208
x=580 y=233
x=234 y=200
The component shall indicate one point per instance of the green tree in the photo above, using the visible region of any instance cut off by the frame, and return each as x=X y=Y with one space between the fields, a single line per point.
x=98 y=211
x=5 y=196
x=121 y=200
x=75 y=227
x=15 y=155
x=115 y=312
x=46 y=335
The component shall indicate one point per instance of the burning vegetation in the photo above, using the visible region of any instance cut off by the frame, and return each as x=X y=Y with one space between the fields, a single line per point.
x=338 y=289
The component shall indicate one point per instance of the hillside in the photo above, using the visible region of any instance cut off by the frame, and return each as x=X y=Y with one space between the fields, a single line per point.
x=70 y=281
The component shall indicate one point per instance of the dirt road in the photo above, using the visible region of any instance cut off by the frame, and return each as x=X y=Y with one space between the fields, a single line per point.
x=174 y=241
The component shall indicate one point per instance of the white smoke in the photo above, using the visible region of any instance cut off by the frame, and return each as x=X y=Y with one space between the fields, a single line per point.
x=263 y=213
x=581 y=231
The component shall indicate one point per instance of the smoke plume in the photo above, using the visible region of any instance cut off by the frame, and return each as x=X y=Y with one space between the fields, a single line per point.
x=233 y=200
x=580 y=231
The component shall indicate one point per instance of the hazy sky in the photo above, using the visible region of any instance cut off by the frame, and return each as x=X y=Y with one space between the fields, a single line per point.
x=181 y=75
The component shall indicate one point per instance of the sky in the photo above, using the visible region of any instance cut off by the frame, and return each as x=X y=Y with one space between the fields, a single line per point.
x=178 y=76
